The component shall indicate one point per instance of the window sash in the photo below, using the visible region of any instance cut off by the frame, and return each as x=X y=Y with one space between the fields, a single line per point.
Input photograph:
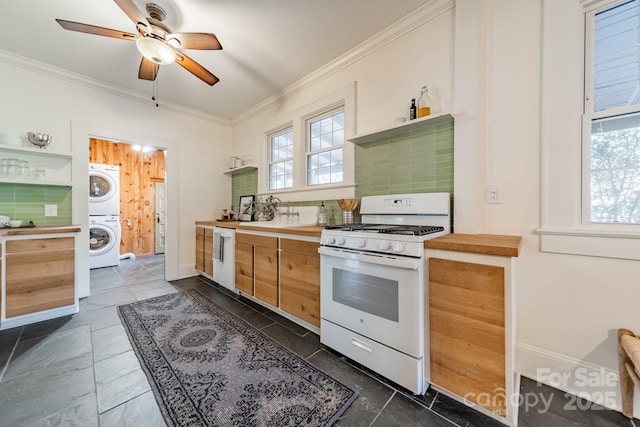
x=602 y=171
x=280 y=155
x=325 y=137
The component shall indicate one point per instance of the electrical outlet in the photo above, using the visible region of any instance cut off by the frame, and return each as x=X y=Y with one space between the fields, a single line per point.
x=493 y=194
x=50 y=210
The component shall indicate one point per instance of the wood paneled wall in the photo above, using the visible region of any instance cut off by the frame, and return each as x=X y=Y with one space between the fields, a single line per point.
x=138 y=173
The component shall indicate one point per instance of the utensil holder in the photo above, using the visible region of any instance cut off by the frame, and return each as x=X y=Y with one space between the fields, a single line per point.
x=347 y=217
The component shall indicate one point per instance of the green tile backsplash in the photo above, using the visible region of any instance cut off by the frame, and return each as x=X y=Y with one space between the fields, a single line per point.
x=243 y=184
x=415 y=162
x=26 y=202
x=418 y=161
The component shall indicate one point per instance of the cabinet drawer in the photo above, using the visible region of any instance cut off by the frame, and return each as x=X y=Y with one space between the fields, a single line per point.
x=299 y=246
x=37 y=245
x=255 y=240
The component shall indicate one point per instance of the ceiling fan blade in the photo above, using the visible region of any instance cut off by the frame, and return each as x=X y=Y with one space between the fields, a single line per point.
x=93 y=29
x=196 y=69
x=148 y=70
x=202 y=41
x=133 y=13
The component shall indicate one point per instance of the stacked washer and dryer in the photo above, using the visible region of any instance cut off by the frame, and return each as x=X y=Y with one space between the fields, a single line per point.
x=104 y=215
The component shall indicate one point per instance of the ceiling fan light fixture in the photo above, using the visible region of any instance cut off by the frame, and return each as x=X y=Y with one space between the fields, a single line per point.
x=156 y=50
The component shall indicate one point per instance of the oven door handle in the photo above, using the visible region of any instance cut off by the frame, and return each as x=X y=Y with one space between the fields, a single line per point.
x=397 y=262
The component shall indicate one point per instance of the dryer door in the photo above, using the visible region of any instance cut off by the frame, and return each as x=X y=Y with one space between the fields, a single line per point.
x=101 y=239
x=101 y=187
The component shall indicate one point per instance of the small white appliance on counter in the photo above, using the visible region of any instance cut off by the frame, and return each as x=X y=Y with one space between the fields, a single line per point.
x=224 y=259
x=372 y=285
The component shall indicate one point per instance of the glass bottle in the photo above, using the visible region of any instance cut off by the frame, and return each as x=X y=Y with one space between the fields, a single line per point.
x=412 y=110
x=424 y=103
x=322 y=215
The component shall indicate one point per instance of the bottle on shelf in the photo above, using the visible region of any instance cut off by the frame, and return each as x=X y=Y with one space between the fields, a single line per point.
x=424 y=103
x=322 y=215
x=412 y=110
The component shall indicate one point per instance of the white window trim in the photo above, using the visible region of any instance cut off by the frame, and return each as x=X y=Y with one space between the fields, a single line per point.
x=563 y=228
x=346 y=98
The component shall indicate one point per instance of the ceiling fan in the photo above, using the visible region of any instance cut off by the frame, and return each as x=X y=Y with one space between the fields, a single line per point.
x=155 y=41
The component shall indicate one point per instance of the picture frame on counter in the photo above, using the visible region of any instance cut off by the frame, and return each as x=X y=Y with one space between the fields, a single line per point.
x=246 y=208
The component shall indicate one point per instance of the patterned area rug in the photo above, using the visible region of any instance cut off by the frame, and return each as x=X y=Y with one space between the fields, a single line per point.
x=207 y=367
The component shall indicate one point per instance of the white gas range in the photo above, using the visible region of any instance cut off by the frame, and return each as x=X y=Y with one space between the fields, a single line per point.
x=372 y=284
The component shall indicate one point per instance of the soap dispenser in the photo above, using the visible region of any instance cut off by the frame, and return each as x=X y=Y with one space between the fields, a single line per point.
x=322 y=215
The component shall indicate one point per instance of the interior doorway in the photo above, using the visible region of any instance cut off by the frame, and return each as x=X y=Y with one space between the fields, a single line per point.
x=142 y=212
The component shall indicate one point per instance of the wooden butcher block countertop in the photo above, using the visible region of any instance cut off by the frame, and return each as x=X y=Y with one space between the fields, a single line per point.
x=313 y=231
x=28 y=231
x=487 y=244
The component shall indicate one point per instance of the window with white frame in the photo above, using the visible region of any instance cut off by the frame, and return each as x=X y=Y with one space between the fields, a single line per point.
x=325 y=141
x=611 y=128
x=281 y=160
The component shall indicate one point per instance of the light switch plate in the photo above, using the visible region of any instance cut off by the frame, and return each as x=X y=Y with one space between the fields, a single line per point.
x=50 y=210
x=493 y=194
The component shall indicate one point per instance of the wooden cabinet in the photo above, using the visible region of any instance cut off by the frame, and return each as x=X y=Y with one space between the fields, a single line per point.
x=467 y=330
x=244 y=264
x=40 y=275
x=200 y=248
x=300 y=279
x=204 y=250
x=471 y=320
x=257 y=266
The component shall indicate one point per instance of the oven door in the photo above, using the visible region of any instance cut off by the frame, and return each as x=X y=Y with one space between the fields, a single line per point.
x=378 y=296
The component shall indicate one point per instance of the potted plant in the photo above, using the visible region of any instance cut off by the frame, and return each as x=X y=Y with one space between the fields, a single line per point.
x=267 y=208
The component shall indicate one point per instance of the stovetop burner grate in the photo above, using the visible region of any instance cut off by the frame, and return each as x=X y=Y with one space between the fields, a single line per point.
x=407 y=230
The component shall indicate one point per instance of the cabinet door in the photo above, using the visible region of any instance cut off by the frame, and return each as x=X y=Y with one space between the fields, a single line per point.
x=40 y=275
x=300 y=285
x=467 y=330
x=266 y=273
x=200 y=248
x=208 y=251
x=244 y=267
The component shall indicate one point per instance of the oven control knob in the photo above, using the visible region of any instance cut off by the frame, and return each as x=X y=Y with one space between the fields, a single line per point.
x=329 y=240
x=397 y=247
x=384 y=245
x=361 y=243
x=339 y=240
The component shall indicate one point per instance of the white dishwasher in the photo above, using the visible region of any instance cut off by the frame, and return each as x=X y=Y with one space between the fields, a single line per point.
x=224 y=256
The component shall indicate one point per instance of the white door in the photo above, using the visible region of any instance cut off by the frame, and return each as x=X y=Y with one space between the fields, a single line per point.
x=160 y=198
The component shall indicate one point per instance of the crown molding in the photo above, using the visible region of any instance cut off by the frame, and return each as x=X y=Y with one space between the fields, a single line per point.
x=430 y=10
x=15 y=60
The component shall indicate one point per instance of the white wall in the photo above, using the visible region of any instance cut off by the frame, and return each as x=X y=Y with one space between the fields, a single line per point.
x=386 y=81
x=485 y=58
x=569 y=307
x=198 y=147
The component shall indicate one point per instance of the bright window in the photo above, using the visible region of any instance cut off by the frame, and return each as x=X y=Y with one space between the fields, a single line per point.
x=281 y=160
x=325 y=135
x=612 y=114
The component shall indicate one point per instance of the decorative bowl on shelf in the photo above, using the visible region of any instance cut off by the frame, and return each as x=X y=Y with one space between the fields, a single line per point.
x=39 y=139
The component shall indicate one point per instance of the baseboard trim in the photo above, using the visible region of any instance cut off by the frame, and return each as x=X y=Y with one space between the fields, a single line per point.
x=592 y=382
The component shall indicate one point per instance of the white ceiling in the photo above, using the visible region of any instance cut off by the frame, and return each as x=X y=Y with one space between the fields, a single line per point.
x=267 y=44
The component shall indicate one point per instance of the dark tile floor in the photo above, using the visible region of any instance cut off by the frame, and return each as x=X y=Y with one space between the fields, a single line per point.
x=81 y=370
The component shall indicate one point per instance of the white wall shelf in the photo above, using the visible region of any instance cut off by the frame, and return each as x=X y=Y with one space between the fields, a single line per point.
x=239 y=170
x=33 y=151
x=401 y=128
x=57 y=166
